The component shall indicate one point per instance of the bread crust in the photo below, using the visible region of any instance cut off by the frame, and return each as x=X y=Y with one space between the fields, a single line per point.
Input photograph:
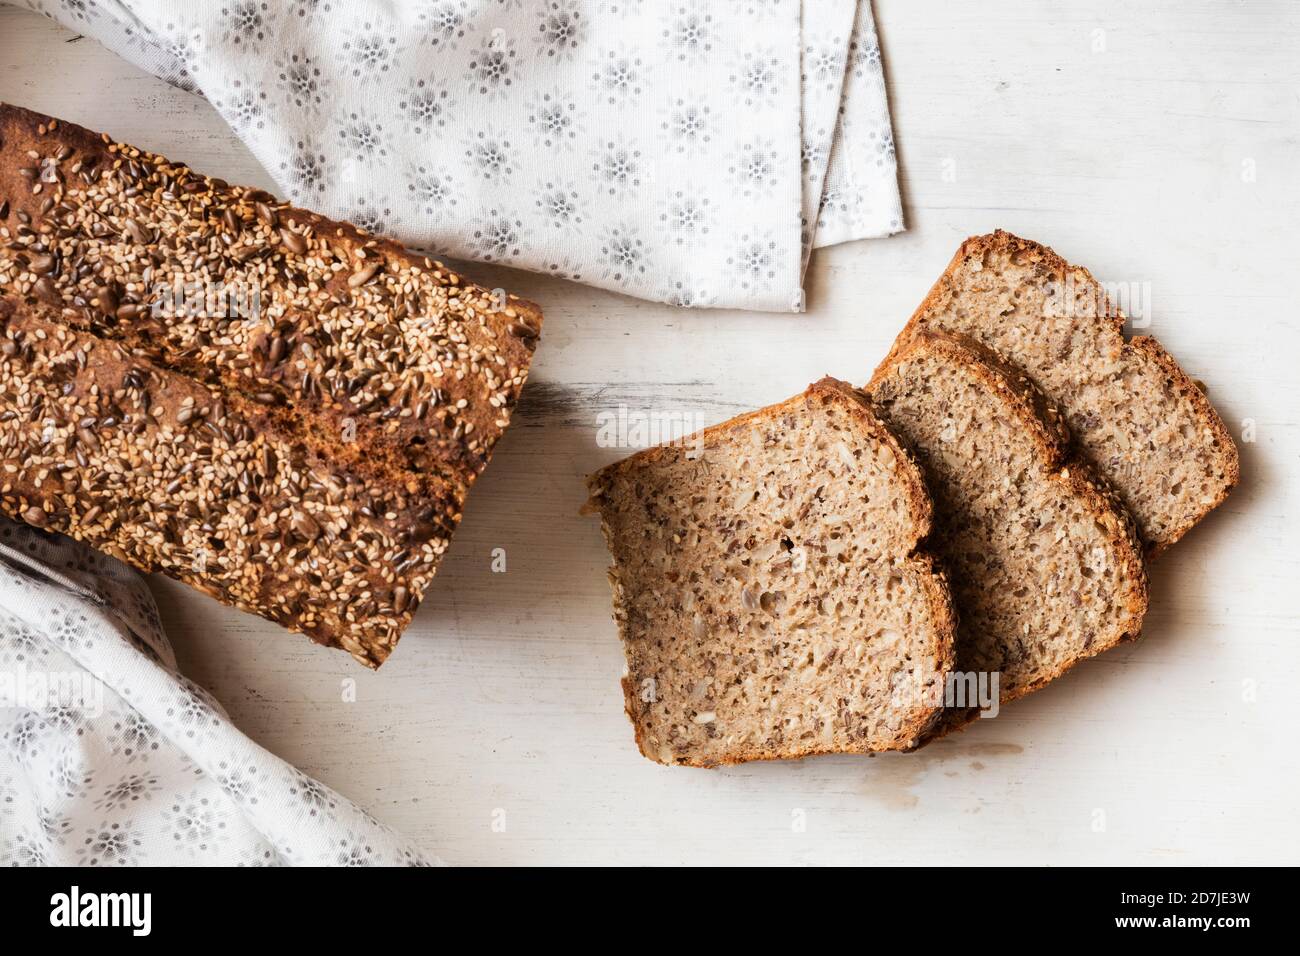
x=487 y=316
x=938 y=595
x=1051 y=439
x=374 y=376
x=1110 y=328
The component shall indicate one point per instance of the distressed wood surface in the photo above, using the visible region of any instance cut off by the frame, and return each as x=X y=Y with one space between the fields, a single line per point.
x=1156 y=143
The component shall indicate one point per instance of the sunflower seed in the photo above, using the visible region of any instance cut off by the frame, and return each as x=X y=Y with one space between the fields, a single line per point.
x=521 y=329
x=107 y=301
x=362 y=276
x=294 y=242
x=136 y=232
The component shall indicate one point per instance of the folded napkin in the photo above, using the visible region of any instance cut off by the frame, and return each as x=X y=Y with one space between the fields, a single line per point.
x=687 y=151
x=108 y=757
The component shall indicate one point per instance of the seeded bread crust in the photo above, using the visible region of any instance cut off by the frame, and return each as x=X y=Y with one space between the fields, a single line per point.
x=608 y=486
x=1042 y=425
x=370 y=363
x=170 y=475
x=1101 y=326
x=362 y=323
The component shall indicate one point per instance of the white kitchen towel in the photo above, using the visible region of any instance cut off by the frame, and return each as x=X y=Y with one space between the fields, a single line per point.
x=687 y=151
x=108 y=757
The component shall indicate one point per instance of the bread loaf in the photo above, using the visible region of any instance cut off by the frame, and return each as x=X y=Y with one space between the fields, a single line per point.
x=768 y=588
x=277 y=408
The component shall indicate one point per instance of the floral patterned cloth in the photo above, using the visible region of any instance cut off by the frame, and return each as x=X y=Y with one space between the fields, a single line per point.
x=109 y=757
x=687 y=151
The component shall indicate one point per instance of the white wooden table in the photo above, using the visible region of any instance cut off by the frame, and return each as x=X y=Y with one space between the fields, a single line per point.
x=1155 y=142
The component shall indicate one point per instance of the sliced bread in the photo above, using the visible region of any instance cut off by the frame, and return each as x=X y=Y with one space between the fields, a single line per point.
x=1135 y=415
x=768 y=590
x=1044 y=564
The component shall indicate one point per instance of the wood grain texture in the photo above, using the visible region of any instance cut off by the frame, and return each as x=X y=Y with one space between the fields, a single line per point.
x=504 y=696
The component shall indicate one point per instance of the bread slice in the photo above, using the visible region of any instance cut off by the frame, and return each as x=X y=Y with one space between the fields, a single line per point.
x=1044 y=564
x=1135 y=415
x=768 y=589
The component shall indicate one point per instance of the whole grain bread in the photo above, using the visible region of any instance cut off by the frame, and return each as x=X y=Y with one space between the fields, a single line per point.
x=1135 y=415
x=1045 y=565
x=768 y=588
x=302 y=407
